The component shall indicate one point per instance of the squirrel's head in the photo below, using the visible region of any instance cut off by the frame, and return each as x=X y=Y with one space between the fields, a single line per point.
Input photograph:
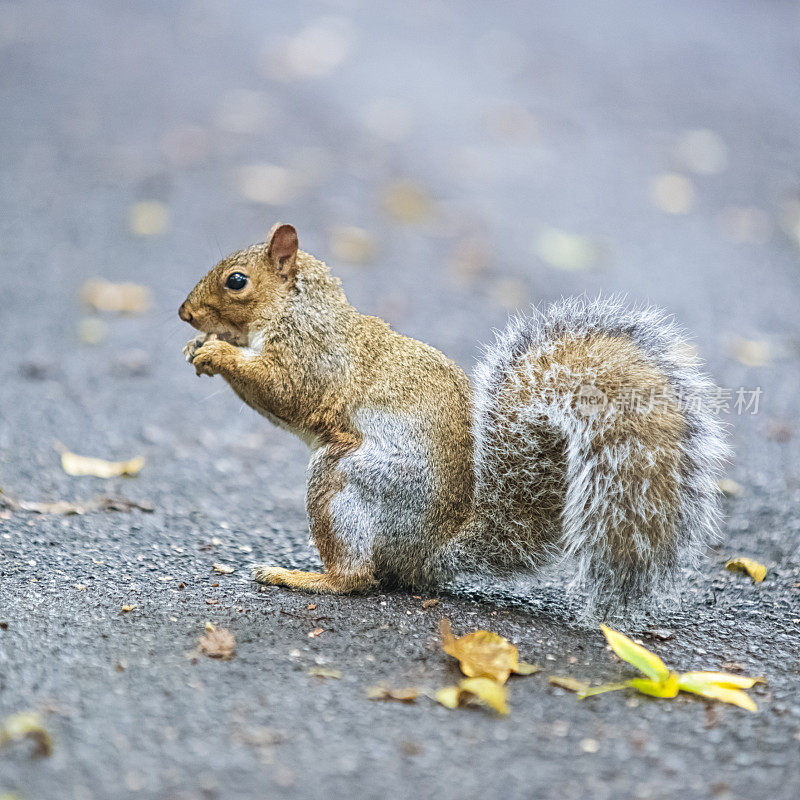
x=244 y=287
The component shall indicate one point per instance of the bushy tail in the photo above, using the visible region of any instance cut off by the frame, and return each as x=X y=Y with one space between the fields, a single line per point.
x=594 y=439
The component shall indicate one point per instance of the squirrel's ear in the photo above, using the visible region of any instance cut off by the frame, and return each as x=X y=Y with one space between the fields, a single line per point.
x=282 y=247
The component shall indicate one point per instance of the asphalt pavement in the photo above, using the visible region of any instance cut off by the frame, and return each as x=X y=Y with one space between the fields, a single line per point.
x=453 y=162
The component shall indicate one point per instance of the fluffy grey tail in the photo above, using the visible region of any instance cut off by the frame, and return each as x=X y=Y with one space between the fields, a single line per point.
x=595 y=440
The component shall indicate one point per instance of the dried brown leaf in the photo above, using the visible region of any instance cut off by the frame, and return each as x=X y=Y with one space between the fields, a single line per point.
x=483 y=654
x=565 y=682
x=77 y=465
x=407 y=695
x=65 y=508
x=351 y=244
x=218 y=643
x=121 y=298
x=406 y=201
x=322 y=672
x=26 y=725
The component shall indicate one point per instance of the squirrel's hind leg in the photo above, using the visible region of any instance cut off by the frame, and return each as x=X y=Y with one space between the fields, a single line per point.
x=343 y=544
x=320 y=582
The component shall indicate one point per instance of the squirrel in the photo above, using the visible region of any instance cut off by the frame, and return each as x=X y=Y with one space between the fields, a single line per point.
x=585 y=433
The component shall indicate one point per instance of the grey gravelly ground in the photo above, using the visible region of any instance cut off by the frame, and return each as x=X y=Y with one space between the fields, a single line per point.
x=107 y=104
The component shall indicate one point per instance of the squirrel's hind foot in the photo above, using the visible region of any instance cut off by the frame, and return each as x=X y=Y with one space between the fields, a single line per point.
x=320 y=582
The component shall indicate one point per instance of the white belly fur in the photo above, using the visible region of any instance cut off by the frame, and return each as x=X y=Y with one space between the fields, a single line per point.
x=388 y=486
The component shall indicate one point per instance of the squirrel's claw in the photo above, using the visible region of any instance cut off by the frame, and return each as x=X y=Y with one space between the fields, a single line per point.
x=193 y=345
x=320 y=582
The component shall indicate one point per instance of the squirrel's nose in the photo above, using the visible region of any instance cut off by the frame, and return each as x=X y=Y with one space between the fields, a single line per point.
x=184 y=313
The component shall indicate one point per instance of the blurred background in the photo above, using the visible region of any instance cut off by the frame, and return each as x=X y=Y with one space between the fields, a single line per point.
x=453 y=162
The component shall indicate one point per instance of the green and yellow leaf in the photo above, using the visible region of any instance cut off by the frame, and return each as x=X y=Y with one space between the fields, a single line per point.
x=641 y=658
x=691 y=683
x=723 y=679
x=590 y=691
x=666 y=688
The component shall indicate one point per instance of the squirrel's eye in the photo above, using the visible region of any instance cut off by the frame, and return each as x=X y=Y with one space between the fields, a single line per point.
x=236 y=281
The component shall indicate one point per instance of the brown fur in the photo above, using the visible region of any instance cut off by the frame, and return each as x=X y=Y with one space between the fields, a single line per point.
x=415 y=476
x=312 y=374
x=612 y=365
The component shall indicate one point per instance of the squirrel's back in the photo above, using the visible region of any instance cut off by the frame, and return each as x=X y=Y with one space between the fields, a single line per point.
x=594 y=440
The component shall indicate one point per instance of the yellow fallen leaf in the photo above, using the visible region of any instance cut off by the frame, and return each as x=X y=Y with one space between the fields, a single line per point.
x=724 y=679
x=148 y=218
x=665 y=688
x=690 y=682
x=405 y=201
x=483 y=690
x=125 y=609
x=483 y=654
x=99 y=468
x=26 y=725
x=664 y=683
x=590 y=691
x=122 y=298
x=351 y=244
x=641 y=658
x=572 y=684
x=407 y=695
x=755 y=570
x=321 y=672
x=729 y=487
x=487 y=692
x=752 y=352
x=449 y=696
x=565 y=250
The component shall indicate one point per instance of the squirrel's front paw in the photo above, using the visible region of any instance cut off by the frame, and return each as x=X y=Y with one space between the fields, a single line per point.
x=209 y=358
x=193 y=345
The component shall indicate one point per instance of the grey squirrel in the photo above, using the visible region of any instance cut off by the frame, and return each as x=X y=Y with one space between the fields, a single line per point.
x=585 y=433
